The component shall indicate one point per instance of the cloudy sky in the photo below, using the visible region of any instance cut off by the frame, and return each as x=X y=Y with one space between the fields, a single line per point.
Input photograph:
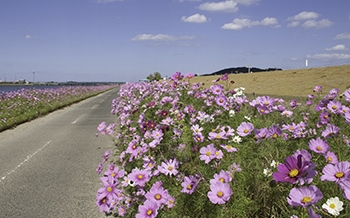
x=126 y=40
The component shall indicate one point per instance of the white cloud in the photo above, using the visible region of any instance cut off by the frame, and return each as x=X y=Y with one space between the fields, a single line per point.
x=238 y=24
x=317 y=24
x=339 y=47
x=225 y=6
x=108 y=1
x=28 y=37
x=304 y=15
x=343 y=36
x=327 y=57
x=160 y=37
x=189 y=0
x=308 y=20
x=293 y=24
x=196 y=18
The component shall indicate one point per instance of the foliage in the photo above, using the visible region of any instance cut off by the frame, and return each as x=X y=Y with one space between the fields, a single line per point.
x=26 y=104
x=212 y=152
x=156 y=76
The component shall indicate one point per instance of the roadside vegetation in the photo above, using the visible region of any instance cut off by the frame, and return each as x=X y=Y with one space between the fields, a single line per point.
x=27 y=104
x=185 y=149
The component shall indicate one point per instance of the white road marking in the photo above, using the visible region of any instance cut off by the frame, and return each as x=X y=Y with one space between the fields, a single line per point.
x=23 y=162
x=77 y=119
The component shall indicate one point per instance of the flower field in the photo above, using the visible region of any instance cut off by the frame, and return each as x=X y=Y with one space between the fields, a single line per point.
x=183 y=150
x=26 y=104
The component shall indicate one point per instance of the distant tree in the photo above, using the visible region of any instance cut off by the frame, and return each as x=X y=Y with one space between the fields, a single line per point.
x=155 y=76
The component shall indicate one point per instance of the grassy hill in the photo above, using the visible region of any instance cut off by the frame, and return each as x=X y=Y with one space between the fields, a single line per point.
x=300 y=82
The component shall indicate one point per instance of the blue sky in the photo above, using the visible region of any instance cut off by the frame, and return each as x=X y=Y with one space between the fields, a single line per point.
x=126 y=40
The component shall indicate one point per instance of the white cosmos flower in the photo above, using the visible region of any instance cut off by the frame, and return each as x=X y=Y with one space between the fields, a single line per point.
x=248 y=118
x=274 y=164
x=237 y=139
x=333 y=206
x=231 y=113
x=267 y=172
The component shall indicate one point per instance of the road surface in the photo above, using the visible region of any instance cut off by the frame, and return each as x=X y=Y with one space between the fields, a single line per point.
x=47 y=166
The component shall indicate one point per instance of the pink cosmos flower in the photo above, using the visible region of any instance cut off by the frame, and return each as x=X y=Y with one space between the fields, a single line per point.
x=245 y=129
x=157 y=194
x=318 y=145
x=139 y=177
x=336 y=173
x=330 y=131
x=304 y=196
x=223 y=176
x=149 y=209
x=169 y=167
x=189 y=184
x=207 y=153
x=219 y=193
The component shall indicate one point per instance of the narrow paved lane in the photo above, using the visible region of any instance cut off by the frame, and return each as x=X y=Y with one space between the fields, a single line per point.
x=47 y=166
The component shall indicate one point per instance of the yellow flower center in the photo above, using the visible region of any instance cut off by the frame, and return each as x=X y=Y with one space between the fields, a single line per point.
x=222 y=180
x=109 y=189
x=134 y=147
x=306 y=199
x=334 y=107
x=217 y=153
x=228 y=146
x=189 y=187
x=318 y=148
x=329 y=159
x=140 y=176
x=113 y=174
x=274 y=136
x=339 y=174
x=245 y=131
x=332 y=205
x=207 y=153
x=293 y=173
x=170 y=168
x=220 y=194
x=149 y=212
x=218 y=136
x=158 y=196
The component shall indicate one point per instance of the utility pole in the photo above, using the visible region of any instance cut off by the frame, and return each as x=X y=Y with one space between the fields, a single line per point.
x=33 y=76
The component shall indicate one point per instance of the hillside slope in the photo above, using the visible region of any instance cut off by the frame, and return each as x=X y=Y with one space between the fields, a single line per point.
x=298 y=82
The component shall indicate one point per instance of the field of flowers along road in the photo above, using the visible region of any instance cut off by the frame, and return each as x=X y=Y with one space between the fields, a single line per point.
x=26 y=104
x=187 y=151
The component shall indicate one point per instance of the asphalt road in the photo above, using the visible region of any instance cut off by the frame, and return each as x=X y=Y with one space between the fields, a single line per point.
x=47 y=166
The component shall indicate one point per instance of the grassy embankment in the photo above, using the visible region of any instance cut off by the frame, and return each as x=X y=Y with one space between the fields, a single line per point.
x=296 y=83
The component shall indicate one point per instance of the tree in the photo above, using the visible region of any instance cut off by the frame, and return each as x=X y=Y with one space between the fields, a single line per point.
x=155 y=76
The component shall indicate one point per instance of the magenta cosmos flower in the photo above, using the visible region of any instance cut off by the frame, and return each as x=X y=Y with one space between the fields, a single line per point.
x=148 y=210
x=295 y=170
x=219 y=193
x=330 y=131
x=318 y=145
x=304 y=196
x=245 y=129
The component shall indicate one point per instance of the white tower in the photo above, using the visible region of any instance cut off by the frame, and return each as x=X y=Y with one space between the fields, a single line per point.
x=306 y=63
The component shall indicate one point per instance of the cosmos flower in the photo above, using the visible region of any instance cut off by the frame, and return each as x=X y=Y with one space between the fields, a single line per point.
x=336 y=173
x=139 y=177
x=223 y=176
x=219 y=193
x=169 y=167
x=333 y=206
x=330 y=131
x=149 y=209
x=245 y=129
x=207 y=153
x=295 y=170
x=304 y=196
x=157 y=194
x=318 y=145
x=189 y=184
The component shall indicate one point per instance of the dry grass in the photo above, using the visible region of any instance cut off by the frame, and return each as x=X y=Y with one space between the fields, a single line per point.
x=300 y=82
